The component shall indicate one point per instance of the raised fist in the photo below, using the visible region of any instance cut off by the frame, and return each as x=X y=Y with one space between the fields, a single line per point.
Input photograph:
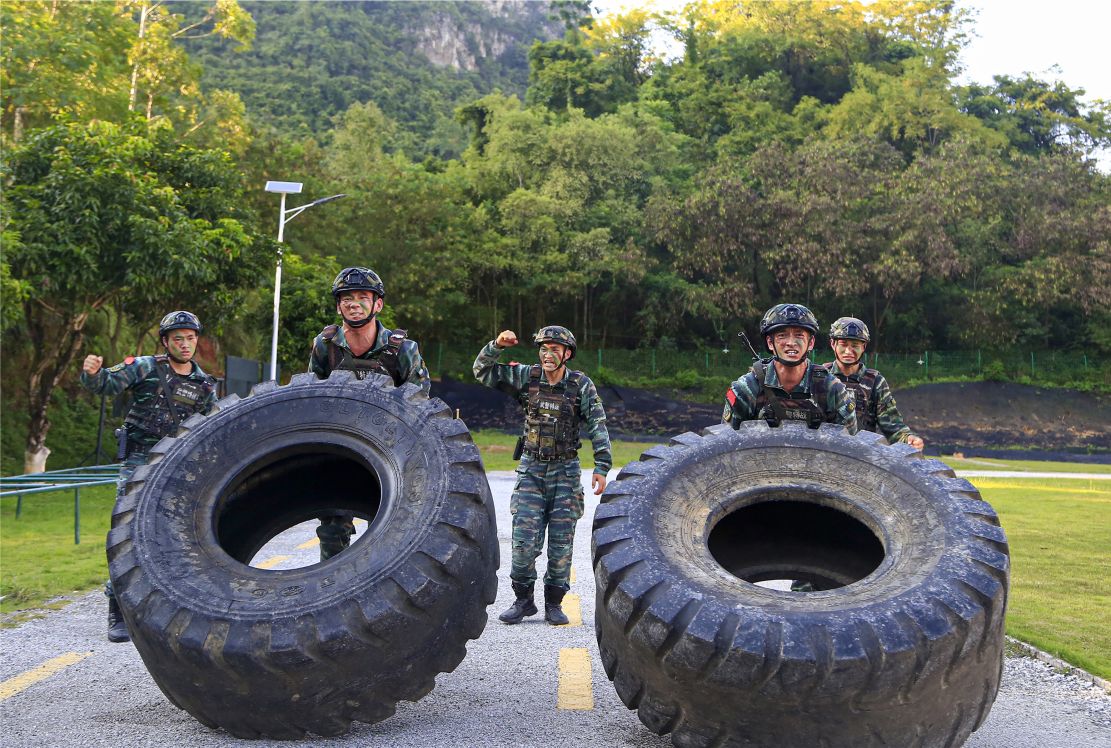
x=506 y=339
x=92 y=364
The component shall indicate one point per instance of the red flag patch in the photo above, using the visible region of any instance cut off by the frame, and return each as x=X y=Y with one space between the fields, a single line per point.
x=731 y=396
x=129 y=360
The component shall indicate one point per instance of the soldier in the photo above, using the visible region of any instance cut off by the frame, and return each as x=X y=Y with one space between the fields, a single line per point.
x=362 y=344
x=787 y=386
x=875 y=405
x=166 y=389
x=548 y=493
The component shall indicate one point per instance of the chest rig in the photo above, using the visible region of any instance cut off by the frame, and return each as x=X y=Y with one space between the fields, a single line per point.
x=775 y=405
x=864 y=390
x=385 y=362
x=168 y=400
x=552 y=417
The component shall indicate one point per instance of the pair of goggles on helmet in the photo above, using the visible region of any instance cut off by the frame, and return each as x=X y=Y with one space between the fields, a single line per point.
x=179 y=320
x=357 y=279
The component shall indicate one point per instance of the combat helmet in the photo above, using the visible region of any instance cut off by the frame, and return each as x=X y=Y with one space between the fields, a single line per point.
x=849 y=328
x=358 y=279
x=556 y=334
x=179 y=320
x=788 y=315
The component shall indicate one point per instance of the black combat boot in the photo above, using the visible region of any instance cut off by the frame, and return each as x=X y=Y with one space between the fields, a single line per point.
x=523 y=606
x=334 y=538
x=117 y=628
x=553 y=599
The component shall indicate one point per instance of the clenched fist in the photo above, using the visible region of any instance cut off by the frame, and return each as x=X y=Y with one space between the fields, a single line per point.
x=506 y=339
x=92 y=364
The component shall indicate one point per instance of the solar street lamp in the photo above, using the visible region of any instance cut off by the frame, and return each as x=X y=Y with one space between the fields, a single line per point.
x=284 y=217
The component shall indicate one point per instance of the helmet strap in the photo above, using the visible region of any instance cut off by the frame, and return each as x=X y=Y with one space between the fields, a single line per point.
x=791 y=364
x=359 y=322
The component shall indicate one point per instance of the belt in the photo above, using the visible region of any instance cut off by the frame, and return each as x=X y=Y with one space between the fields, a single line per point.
x=535 y=454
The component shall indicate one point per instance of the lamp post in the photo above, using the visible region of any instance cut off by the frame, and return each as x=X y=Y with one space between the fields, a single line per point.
x=284 y=217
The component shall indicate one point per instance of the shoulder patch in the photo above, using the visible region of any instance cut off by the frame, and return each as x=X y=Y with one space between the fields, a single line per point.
x=731 y=396
x=121 y=364
x=513 y=363
x=129 y=360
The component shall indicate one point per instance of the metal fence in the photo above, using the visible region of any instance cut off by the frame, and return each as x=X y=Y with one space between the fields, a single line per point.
x=646 y=364
x=58 y=480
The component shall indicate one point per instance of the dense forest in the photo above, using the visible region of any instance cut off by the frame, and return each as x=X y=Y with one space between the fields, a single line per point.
x=509 y=164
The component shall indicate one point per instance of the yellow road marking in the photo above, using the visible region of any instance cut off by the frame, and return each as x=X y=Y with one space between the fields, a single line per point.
x=572 y=575
x=576 y=689
x=572 y=607
x=271 y=562
x=14 y=685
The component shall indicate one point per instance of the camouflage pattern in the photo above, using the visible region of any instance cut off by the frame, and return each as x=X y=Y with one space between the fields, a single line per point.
x=141 y=377
x=358 y=279
x=741 y=398
x=880 y=414
x=788 y=315
x=548 y=495
x=412 y=364
x=556 y=334
x=849 y=328
x=179 y=320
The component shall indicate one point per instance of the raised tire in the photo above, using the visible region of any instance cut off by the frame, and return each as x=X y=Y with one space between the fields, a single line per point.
x=901 y=645
x=281 y=653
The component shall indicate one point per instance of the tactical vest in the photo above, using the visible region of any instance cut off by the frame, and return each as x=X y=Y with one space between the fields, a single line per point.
x=863 y=390
x=175 y=399
x=552 y=417
x=386 y=362
x=775 y=405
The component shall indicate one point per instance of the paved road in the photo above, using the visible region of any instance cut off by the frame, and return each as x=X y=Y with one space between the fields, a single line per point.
x=506 y=692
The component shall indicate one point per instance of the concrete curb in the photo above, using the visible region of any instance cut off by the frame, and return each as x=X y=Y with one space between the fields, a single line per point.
x=1060 y=664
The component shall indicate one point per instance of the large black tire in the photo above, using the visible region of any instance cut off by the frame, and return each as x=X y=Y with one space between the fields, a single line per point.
x=902 y=645
x=277 y=654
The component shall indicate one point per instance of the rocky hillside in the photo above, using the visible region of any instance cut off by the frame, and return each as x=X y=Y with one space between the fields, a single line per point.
x=416 y=60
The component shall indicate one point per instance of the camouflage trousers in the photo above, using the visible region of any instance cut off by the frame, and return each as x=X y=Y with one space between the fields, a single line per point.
x=548 y=496
x=135 y=458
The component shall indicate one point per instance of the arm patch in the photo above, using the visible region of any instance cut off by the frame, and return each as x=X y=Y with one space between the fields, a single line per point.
x=731 y=396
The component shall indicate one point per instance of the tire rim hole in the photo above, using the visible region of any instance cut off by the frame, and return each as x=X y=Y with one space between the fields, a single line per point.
x=795 y=545
x=268 y=517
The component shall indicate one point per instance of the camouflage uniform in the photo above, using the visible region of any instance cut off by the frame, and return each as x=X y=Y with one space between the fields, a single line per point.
x=410 y=364
x=548 y=494
x=336 y=529
x=741 y=400
x=875 y=405
x=148 y=418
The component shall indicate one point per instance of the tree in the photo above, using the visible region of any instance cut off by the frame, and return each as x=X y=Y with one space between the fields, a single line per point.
x=61 y=58
x=104 y=212
x=1039 y=117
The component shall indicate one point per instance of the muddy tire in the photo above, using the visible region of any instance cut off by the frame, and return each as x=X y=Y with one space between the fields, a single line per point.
x=901 y=644
x=281 y=653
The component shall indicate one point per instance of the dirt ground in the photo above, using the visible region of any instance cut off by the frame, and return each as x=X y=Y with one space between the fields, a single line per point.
x=976 y=418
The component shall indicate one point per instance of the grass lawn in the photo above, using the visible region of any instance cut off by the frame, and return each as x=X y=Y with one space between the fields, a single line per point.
x=497 y=450
x=1040 y=466
x=1060 y=537
x=38 y=559
x=1059 y=531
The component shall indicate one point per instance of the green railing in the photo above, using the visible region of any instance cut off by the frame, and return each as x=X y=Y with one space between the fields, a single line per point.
x=58 y=480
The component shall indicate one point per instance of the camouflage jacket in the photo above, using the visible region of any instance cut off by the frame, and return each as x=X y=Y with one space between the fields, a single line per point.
x=514 y=379
x=875 y=410
x=141 y=377
x=412 y=365
x=741 y=398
